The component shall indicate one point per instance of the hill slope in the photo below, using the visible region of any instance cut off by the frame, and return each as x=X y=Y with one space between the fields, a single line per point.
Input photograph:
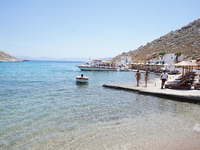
x=4 y=57
x=185 y=40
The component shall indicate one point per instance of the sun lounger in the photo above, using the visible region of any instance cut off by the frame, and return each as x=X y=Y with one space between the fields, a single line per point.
x=174 y=72
x=197 y=86
x=176 y=86
x=183 y=82
x=179 y=85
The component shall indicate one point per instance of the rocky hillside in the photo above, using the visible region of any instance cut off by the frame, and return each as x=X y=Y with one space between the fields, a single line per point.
x=7 y=58
x=186 y=40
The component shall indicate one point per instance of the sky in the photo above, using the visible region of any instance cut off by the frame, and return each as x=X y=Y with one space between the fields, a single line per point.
x=88 y=28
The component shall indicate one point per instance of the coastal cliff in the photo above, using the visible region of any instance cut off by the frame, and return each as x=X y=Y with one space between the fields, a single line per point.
x=4 y=57
x=186 y=40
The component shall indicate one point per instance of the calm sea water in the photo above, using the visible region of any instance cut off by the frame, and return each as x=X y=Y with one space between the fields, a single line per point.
x=42 y=107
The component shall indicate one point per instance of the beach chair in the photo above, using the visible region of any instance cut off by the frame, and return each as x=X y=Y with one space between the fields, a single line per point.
x=197 y=86
x=185 y=84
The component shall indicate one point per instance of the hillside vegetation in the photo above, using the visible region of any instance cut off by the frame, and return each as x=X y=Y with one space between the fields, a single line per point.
x=186 y=40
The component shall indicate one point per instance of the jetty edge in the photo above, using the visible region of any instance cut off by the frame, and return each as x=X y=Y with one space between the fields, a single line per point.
x=182 y=95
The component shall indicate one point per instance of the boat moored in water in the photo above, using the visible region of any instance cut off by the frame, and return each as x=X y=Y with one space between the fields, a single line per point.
x=82 y=79
x=25 y=60
x=97 y=65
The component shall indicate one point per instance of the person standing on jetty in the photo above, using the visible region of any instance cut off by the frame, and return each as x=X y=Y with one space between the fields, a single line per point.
x=146 y=78
x=163 y=77
x=138 y=77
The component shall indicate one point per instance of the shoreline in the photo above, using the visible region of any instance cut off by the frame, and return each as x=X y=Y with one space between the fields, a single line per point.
x=153 y=88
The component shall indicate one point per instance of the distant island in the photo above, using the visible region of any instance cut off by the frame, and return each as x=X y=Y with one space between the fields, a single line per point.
x=4 y=57
x=79 y=59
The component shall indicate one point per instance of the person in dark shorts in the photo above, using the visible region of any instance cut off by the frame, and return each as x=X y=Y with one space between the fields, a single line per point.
x=163 y=77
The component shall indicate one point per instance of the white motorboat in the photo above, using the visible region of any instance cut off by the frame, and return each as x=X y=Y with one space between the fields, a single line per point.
x=97 y=65
x=82 y=78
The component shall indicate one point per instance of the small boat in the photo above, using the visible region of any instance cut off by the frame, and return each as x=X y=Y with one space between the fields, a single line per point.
x=97 y=65
x=82 y=79
x=25 y=60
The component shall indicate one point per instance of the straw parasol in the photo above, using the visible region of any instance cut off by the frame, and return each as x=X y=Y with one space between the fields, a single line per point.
x=152 y=64
x=184 y=64
x=165 y=65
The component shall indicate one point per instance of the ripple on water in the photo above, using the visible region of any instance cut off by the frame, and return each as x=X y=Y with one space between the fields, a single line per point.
x=42 y=107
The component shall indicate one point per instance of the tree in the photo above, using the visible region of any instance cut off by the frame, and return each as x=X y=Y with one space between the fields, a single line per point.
x=162 y=53
x=177 y=54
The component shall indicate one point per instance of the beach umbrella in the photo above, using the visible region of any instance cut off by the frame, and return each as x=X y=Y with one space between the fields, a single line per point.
x=185 y=64
x=152 y=64
x=147 y=64
x=160 y=64
x=165 y=65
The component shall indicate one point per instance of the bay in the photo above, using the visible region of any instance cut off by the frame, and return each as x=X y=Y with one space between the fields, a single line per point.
x=42 y=107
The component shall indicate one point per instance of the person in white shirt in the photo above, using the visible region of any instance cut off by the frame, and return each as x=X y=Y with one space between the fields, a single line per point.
x=163 y=77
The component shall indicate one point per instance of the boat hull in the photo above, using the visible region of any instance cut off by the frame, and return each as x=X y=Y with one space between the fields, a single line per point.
x=88 y=68
x=82 y=79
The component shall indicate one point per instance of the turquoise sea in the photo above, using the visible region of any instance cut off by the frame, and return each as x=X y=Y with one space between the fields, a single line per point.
x=43 y=108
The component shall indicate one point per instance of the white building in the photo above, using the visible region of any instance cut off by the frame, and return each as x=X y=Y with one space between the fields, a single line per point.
x=169 y=60
x=124 y=60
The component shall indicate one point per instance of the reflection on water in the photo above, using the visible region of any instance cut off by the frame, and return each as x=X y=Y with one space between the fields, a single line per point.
x=140 y=122
x=153 y=124
x=82 y=84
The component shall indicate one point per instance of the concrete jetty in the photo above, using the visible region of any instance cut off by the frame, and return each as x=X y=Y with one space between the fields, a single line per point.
x=154 y=88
